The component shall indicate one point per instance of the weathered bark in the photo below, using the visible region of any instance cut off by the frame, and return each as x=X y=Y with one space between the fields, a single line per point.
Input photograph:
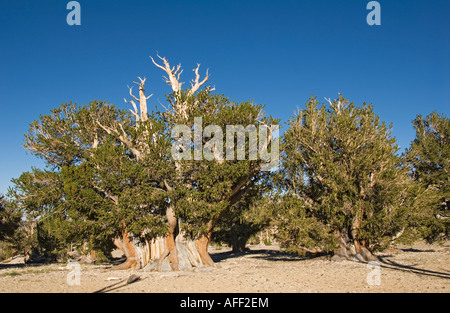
x=364 y=251
x=160 y=254
x=187 y=254
x=202 y=246
x=170 y=246
x=156 y=248
x=360 y=247
x=350 y=248
x=343 y=248
x=126 y=245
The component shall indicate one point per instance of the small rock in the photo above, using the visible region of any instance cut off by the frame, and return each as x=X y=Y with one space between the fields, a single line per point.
x=133 y=278
x=338 y=258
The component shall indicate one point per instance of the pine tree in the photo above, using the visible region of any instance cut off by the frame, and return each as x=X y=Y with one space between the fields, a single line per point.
x=38 y=196
x=429 y=160
x=199 y=191
x=9 y=219
x=345 y=188
x=10 y=228
x=96 y=176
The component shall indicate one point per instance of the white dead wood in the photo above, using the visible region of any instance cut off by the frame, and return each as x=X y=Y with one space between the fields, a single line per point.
x=173 y=79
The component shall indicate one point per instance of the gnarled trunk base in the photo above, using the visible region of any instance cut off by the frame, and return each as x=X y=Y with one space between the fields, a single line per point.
x=184 y=254
x=129 y=250
x=170 y=253
x=188 y=257
x=202 y=246
x=155 y=255
x=351 y=249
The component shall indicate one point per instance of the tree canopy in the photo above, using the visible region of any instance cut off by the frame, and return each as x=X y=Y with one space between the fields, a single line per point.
x=429 y=161
x=344 y=182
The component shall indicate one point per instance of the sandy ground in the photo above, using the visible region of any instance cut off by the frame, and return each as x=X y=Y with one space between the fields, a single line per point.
x=408 y=269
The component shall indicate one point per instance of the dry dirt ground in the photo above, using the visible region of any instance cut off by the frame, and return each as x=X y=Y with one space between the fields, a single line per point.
x=419 y=268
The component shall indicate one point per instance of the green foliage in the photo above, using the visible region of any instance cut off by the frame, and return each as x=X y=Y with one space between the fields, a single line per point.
x=10 y=222
x=38 y=196
x=340 y=163
x=9 y=219
x=429 y=160
x=299 y=230
x=241 y=222
x=96 y=187
x=211 y=192
x=111 y=172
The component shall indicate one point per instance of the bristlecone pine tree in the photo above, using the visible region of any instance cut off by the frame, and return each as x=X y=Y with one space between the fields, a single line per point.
x=201 y=189
x=38 y=195
x=120 y=183
x=88 y=192
x=9 y=219
x=429 y=158
x=344 y=186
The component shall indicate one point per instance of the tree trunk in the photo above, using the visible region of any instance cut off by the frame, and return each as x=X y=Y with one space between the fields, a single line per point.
x=238 y=240
x=170 y=249
x=364 y=251
x=178 y=253
x=156 y=248
x=188 y=256
x=202 y=247
x=351 y=248
x=127 y=246
x=238 y=246
x=202 y=244
x=342 y=251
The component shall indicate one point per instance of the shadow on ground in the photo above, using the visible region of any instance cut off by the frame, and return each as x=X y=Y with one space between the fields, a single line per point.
x=384 y=261
x=8 y=266
x=264 y=254
x=120 y=284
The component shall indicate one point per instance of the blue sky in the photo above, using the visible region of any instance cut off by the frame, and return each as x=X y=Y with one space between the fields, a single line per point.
x=276 y=53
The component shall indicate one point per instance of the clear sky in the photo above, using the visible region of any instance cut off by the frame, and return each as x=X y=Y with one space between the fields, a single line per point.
x=276 y=53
